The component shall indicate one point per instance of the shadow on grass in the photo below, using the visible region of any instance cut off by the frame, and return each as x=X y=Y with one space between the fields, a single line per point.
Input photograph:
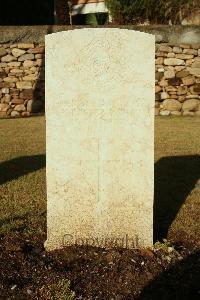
x=181 y=281
x=20 y=166
x=175 y=178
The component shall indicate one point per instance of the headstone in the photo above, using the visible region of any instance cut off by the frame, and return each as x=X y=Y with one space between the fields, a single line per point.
x=100 y=138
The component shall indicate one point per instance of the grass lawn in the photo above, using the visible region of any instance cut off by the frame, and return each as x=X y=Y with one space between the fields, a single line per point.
x=23 y=184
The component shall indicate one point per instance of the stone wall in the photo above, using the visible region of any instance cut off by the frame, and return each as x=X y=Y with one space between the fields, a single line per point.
x=177 y=79
x=22 y=79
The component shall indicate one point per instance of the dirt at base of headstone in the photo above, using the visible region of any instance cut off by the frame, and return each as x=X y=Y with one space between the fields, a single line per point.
x=28 y=272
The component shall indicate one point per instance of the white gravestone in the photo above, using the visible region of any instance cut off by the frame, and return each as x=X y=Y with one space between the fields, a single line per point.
x=100 y=138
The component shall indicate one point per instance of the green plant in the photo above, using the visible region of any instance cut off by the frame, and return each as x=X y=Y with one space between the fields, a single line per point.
x=61 y=291
x=156 y=11
x=160 y=245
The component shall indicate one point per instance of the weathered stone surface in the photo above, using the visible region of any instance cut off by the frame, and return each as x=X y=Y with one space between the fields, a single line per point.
x=169 y=74
x=14 y=64
x=185 y=46
x=189 y=62
x=195 y=46
x=159 y=75
x=175 y=113
x=157 y=89
x=25 y=45
x=193 y=96
x=27 y=94
x=170 y=88
x=3 y=52
x=196 y=88
x=7 y=84
x=164 y=95
x=172 y=104
x=39 y=62
x=30 y=77
x=33 y=69
x=5 y=90
x=161 y=54
x=16 y=71
x=194 y=71
x=179 y=68
x=196 y=64
x=8 y=58
x=173 y=96
x=17 y=101
x=171 y=55
x=28 y=63
x=159 y=60
x=183 y=73
x=161 y=70
x=10 y=79
x=26 y=57
x=165 y=48
x=4 y=107
x=7 y=98
x=164 y=113
x=14 y=92
x=188 y=113
x=188 y=80
x=3 y=64
x=190 y=51
x=173 y=62
x=24 y=85
x=15 y=113
x=3 y=114
x=182 y=90
x=25 y=114
x=20 y=107
x=181 y=98
x=17 y=52
x=36 y=50
x=184 y=56
x=191 y=105
x=39 y=56
x=163 y=83
x=103 y=139
x=177 y=50
x=13 y=46
x=34 y=106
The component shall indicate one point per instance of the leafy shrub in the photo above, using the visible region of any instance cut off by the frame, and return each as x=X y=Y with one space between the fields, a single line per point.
x=155 y=11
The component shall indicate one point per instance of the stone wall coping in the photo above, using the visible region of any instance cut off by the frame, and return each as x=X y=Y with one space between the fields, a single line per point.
x=164 y=33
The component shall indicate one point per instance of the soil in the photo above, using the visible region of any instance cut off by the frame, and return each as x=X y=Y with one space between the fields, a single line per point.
x=164 y=272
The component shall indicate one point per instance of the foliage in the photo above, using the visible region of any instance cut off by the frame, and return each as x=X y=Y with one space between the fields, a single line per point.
x=61 y=291
x=156 y=11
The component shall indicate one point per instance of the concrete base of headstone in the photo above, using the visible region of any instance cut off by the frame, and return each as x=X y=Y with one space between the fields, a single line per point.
x=100 y=138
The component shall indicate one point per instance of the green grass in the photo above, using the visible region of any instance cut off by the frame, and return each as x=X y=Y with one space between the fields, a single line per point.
x=22 y=173
x=177 y=172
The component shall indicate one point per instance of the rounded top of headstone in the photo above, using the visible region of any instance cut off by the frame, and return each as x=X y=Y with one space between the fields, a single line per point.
x=94 y=31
